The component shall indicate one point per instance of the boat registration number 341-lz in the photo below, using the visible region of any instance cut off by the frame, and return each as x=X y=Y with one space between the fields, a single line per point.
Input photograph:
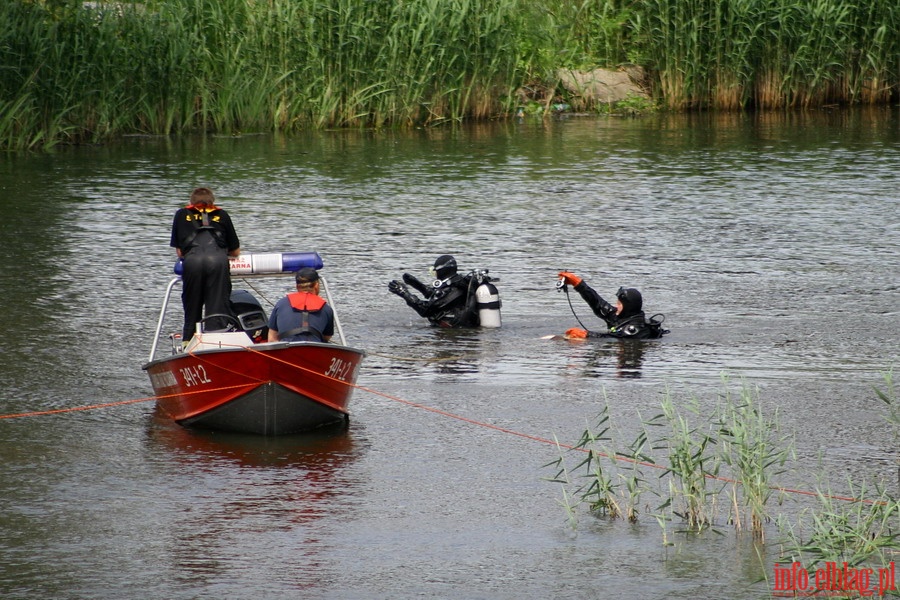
x=194 y=375
x=339 y=369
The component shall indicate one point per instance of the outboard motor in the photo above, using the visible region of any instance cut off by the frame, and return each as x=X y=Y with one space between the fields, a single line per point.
x=488 y=299
x=250 y=314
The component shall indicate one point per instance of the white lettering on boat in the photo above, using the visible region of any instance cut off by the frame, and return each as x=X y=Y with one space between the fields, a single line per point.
x=339 y=369
x=194 y=375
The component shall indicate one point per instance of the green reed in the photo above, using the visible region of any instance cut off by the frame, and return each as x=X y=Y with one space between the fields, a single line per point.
x=611 y=484
x=631 y=474
x=580 y=34
x=76 y=73
x=754 y=450
x=770 y=53
x=862 y=532
x=858 y=533
x=599 y=493
x=736 y=435
x=172 y=66
x=692 y=462
x=888 y=395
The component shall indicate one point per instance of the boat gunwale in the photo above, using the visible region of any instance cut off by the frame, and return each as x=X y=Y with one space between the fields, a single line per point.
x=261 y=347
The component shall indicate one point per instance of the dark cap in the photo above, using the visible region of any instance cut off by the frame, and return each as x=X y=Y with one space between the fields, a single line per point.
x=631 y=300
x=444 y=266
x=307 y=275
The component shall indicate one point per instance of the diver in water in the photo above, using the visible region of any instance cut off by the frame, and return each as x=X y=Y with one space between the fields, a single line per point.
x=452 y=300
x=625 y=320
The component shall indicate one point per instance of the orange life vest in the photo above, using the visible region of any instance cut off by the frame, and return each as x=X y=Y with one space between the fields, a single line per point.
x=306 y=301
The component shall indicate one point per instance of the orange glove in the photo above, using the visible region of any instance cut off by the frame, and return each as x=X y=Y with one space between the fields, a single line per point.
x=570 y=278
x=575 y=334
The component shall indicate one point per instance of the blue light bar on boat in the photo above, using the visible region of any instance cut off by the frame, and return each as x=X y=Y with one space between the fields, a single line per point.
x=250 y=263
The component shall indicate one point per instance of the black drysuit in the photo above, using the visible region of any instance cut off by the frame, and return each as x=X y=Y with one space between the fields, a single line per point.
x=629 y=324
x=447 y=303
x=205 y=237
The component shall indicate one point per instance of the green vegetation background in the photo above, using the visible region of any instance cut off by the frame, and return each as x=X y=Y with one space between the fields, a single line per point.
x=76 y=72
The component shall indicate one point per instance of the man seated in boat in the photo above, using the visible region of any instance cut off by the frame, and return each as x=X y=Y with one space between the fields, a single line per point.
x=452 y=300
x=625 y=320
x=302 y=315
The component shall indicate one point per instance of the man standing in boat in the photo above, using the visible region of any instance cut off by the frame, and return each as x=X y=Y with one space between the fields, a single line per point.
x=203 y=237
x=302 y=315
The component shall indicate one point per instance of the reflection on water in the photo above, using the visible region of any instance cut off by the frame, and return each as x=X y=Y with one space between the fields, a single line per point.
x=322 y=450
x=249 y=496
x=769 y=241
x=622 y=358
x=455 y=353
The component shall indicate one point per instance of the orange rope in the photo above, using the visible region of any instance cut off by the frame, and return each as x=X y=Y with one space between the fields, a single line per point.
x=201 y=359
x=38 y=413
x=603 y=454
x=438 y=412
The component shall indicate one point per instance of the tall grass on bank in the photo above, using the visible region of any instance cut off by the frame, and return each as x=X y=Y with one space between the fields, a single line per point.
x=760 y=53
x=770 y=53
x=577 y=34
x=81 y=72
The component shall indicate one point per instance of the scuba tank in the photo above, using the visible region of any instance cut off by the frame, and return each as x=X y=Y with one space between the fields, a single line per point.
x=488 y=299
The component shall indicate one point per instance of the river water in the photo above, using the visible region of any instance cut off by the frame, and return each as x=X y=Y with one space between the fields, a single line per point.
x=770 y=244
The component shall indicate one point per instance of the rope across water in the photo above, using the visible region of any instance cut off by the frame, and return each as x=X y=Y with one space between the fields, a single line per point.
x=430 y=409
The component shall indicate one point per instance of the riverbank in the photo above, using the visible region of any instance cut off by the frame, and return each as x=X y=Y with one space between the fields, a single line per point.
x=83 y=73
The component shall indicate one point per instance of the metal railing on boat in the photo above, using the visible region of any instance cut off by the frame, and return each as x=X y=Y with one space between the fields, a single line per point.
x=165 y=305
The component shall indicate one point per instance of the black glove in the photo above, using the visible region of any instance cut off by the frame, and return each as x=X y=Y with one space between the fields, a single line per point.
x=398 y=288
x=415 y=283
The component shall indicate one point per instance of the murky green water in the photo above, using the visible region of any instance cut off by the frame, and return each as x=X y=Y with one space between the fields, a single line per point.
x=770 y=244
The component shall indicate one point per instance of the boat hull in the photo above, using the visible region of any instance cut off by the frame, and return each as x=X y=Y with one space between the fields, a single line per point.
x=265 y=389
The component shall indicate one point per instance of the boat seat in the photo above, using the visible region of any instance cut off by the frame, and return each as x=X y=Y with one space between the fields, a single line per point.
x=252 y=320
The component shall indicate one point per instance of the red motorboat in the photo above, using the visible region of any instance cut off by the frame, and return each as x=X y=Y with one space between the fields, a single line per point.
x=234 y=381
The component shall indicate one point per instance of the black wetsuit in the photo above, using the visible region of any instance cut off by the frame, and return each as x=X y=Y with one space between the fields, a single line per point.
x=630 y=324
x=205 y=238
x=450 y=303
